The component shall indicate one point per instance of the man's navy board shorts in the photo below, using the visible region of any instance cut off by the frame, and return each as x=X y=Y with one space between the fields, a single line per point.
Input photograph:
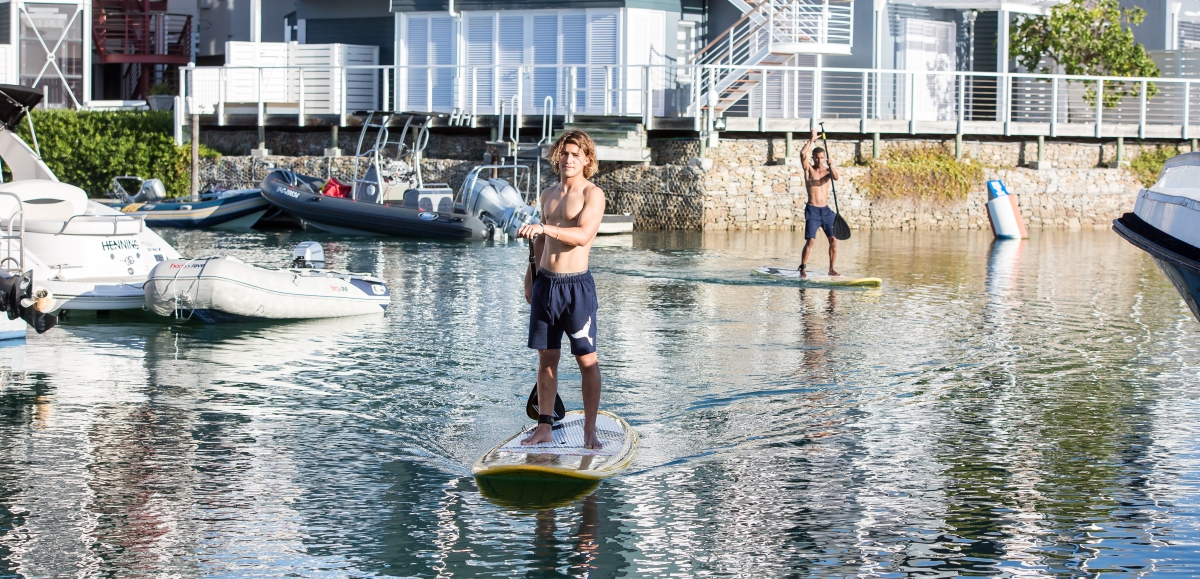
x=817 y=218
x=563 y=302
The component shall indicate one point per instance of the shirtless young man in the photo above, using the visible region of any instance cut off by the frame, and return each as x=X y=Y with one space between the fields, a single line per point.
x=563 y=294
x=817 y=214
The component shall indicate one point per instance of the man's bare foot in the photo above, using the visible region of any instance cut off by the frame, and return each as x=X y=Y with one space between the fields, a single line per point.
x=831 y=272
x=803 y=271
x=592 y=441
x=540 y=434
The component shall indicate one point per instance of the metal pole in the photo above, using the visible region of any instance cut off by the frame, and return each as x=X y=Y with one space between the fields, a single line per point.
x=195 y=152
x=221 y=97
x=647 y=113
x=912 y=103
x=1099 y=106
x=1054 y=107
x=262 y=113
x=1142 y=113
x=961 y=87
x=862 y=122
x=607 y=90
x=300 y=114
x=1187 y=104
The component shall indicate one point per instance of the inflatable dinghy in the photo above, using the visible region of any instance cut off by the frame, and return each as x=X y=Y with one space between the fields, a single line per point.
x=226 y=289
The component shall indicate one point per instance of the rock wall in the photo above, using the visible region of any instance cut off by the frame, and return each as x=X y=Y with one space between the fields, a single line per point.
x=749 y=185
x=773 y=197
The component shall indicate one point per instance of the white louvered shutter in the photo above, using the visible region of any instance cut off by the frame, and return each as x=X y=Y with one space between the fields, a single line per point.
x=545 y=52
x=510 y=50
x=602 y=50
x=441 y=52
x=574 y=52
x=417 y=43
x=480 y=52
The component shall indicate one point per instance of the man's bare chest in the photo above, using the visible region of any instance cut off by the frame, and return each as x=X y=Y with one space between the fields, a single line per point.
x=563 y=208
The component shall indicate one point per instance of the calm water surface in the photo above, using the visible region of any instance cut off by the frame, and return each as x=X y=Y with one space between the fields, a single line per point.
x=1024 y=409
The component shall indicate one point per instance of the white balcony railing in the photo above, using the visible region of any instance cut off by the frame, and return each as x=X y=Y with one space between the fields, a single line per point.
x=782 y=97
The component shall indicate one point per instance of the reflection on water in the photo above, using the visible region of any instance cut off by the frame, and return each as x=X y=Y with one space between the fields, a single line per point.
x=1013 y=407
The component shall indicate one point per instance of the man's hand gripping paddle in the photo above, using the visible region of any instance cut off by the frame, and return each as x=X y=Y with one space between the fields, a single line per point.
x=531 y=406
x=841 y=229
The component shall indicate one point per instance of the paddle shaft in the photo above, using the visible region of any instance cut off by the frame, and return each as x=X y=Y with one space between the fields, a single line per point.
x=829 y=159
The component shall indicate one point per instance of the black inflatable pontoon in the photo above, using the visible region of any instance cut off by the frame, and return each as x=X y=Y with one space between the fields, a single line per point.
x=299 y=196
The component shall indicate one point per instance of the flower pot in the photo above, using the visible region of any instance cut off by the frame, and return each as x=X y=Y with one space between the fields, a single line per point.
x=161 y=102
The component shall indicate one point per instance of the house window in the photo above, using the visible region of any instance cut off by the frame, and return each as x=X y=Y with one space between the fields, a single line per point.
x=43 y=28
x=498 y=45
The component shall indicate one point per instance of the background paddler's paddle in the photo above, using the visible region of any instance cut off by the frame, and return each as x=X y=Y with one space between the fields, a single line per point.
x=841 y=229
x=531 y=406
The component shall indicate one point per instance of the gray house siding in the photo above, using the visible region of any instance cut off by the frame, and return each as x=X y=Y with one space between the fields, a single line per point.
x=379 y=32
x=1151 y=33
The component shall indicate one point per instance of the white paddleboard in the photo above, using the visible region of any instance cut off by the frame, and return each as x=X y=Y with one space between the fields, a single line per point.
x=791 y=273
x=566 y=456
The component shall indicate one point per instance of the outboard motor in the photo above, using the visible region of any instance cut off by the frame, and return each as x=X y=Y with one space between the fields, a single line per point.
x=152 y=191
x=498 y=202
x=309 y=254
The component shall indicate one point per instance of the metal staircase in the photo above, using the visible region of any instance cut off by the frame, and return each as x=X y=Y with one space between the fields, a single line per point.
x=769 y=33
x=139 y=35
x=616 y=140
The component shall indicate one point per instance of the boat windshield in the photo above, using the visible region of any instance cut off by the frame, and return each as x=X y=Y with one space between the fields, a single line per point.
x=1180 y=180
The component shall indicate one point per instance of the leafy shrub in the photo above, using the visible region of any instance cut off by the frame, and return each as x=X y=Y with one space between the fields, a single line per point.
x=928 y=173
x=163 y=89
x=88 y=148
x=1149 y=163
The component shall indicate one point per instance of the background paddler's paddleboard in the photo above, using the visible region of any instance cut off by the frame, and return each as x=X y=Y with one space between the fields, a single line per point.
x=556 y=473
x=791 y=273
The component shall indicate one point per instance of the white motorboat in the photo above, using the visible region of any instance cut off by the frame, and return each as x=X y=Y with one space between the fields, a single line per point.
x=226 y=289
x=79 y=254
x=1166 y=224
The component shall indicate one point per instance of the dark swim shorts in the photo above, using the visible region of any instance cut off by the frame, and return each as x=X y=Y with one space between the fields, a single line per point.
x=563 y=302
x=817 y=218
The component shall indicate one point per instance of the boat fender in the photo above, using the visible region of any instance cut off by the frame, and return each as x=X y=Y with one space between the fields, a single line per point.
x=1003 y=213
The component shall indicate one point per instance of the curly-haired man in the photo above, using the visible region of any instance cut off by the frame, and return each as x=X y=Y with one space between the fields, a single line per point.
x=561 y=291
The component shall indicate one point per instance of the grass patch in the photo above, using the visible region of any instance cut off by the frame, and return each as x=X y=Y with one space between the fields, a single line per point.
x=1149 y=163
x=926 y=173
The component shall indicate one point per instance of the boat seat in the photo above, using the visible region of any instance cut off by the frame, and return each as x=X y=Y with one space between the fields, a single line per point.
x=43 y=200
x=438 y=200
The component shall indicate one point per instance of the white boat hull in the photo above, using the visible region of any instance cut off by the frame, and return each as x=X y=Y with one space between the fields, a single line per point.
x=226 y=289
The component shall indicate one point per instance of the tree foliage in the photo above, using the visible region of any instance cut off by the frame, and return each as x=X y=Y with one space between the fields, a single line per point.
x=88 y=148
x=1086 y=37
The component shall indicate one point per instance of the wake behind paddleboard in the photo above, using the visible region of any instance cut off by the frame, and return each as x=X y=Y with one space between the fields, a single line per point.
x=789 y=273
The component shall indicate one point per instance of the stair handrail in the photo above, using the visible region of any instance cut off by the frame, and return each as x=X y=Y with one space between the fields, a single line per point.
x=695 y=58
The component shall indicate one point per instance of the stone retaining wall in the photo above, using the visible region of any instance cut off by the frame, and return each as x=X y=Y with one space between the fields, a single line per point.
x=773 y=197
x=750 y=187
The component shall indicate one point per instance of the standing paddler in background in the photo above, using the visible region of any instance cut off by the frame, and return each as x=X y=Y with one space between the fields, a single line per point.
x=817 y=215
x=561 y=290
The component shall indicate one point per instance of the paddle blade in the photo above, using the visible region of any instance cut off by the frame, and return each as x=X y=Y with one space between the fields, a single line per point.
x=841 y=229
x=532 y=410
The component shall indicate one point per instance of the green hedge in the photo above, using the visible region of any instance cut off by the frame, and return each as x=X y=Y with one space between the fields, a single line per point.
x=88 y=149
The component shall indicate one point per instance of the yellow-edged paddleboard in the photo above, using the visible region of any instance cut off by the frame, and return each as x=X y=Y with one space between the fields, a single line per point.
x=819 y=279
x=554 y=473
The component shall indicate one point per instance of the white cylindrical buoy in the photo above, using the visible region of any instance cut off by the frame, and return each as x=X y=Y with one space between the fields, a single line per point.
x=1003 y=212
